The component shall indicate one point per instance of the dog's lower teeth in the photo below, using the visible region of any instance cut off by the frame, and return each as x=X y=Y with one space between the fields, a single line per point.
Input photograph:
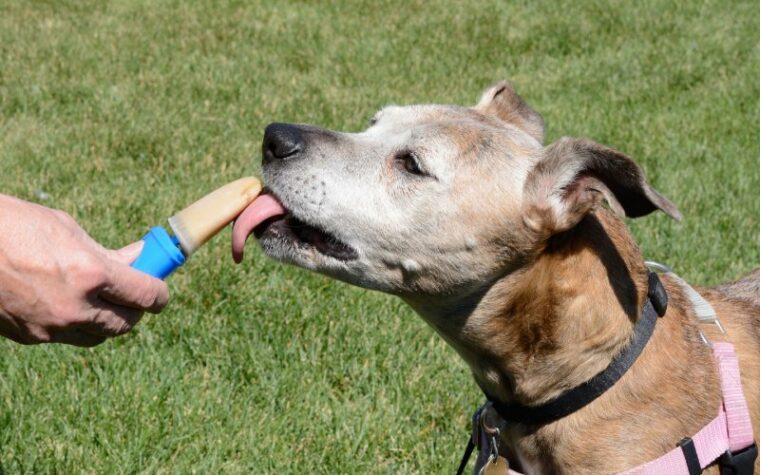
x=322 y=241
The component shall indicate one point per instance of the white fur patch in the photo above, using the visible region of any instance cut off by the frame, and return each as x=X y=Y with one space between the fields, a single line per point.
x=411 y=266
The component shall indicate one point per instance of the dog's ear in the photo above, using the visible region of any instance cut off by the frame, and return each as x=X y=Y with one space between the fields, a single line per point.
x=575 y=175
x=501 y=101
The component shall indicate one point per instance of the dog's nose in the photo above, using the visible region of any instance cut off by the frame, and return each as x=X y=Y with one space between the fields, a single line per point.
x=281 y=141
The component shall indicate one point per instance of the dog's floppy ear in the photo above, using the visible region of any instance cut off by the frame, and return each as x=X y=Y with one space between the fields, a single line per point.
x=574 y=175
x=502 y=101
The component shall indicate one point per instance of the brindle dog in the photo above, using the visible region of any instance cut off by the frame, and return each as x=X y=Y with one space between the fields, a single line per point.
x=501 y=244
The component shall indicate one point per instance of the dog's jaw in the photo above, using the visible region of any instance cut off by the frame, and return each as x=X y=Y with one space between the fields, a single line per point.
x=278 y=243
x=296 y=239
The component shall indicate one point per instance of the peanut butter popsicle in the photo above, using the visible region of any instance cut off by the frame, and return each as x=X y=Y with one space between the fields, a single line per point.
x=193 y=226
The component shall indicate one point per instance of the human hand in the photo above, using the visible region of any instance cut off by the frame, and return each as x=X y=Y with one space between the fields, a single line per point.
x=58 y=285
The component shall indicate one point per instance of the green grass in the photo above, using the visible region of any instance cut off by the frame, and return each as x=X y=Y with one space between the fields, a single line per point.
x=123 y=112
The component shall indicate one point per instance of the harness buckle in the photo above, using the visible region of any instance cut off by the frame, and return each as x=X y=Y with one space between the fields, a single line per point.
x=702 y=308
x=739 y=463
x=657 y=294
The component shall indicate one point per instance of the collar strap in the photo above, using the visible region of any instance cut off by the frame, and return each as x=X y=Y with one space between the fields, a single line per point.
x=655 y=305
x=727 y=440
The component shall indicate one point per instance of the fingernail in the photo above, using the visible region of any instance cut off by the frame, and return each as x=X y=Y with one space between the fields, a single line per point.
x=131 y=252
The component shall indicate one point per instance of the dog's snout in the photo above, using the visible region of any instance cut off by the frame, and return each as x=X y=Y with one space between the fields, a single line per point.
x=282 y=141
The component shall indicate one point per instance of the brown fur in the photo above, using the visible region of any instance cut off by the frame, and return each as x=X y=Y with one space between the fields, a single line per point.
x=561 y=320
x=502 y=101
x=746 y=288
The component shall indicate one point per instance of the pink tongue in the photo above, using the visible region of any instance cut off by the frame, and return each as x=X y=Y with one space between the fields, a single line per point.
x=262 y=208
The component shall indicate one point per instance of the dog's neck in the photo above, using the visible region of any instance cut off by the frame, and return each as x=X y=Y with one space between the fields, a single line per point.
x=553 y=323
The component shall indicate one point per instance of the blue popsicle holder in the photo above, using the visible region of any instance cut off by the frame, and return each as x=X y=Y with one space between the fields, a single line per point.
x=161 y=254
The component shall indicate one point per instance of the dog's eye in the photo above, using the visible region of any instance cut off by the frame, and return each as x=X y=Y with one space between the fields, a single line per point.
x=410 y=163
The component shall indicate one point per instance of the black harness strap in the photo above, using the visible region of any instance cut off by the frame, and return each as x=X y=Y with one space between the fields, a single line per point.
x=466 y=456
x=690 y=455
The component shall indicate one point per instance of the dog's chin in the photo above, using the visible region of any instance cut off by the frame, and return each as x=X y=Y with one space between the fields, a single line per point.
x=290 y=240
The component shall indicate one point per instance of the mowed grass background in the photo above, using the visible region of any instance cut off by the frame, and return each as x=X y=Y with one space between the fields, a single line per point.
x=123 y=112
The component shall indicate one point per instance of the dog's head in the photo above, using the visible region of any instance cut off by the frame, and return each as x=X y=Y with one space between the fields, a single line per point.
x=432 y=199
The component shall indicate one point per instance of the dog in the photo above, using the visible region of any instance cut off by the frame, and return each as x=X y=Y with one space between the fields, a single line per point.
x=516 y=254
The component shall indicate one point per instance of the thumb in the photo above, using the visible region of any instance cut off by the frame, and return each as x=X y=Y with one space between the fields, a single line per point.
x=127 y=254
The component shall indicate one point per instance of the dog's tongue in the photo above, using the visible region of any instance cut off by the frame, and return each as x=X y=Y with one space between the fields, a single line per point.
x=262 y=208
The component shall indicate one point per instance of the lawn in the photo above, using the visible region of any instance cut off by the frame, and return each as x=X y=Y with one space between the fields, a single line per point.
x=122 y=112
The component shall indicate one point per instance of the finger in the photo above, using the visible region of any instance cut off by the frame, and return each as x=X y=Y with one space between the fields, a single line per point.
x=77 y=337
x=127 y=254
x=111 y=320
x=131 y=288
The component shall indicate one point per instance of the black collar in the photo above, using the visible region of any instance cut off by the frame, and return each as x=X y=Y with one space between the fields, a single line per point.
x=579 y=396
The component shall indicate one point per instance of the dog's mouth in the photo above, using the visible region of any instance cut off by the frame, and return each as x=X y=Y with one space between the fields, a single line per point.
x=268 y=219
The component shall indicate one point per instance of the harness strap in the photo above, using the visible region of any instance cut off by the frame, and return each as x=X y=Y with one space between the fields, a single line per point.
x=728 y=437
x=739 y=423
x=466 y=456
x=707 y=443
x=730 y=432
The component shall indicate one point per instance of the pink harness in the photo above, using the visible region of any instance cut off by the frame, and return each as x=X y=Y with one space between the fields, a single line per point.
x=730 y=432
x=728 y=435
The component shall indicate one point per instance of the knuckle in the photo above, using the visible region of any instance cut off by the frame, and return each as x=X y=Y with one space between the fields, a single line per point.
x=35 y=335
x=111 y=324
x=65 y=217
x=123 y=328
x=162 y=297
x=66 y=314
x=87 y=270
x=151 y=296
x=45 y=338
x=149 y=299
